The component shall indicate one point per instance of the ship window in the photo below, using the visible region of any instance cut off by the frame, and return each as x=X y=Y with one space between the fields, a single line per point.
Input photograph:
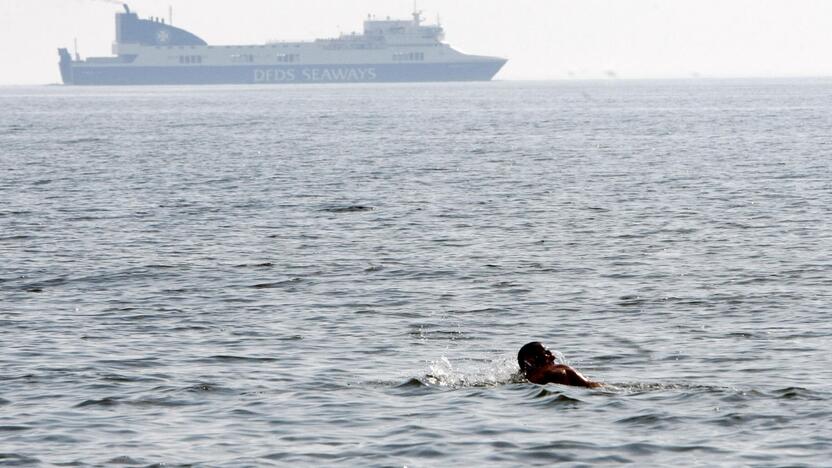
x=409 y=57
x=288 y=58
x=190 y=59
x=242 y=58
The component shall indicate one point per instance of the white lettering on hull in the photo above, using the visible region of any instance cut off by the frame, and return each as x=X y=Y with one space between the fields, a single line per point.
x=288 y=75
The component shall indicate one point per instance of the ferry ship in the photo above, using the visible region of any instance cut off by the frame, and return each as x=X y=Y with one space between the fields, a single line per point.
x=153 y=52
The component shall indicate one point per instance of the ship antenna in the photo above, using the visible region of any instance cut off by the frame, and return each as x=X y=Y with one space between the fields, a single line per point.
x=77 y=57
x=417 y=15
x=170 y=15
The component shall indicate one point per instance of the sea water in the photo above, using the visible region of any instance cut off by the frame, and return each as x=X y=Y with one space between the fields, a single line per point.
x=343 y=274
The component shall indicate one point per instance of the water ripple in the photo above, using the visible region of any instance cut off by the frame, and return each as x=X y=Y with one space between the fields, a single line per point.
x=322 y=278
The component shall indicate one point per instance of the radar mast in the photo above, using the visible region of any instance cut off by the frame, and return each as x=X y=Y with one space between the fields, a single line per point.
x=417 y=13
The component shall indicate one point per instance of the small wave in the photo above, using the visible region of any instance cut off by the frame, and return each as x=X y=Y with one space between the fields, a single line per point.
x=797 y=393
x=118 y=378
x=652 y=420
x=77 y=141
x=3 y=214
x=252 y=123
x=283 y=338
x=423 y=333
x=159 y=266
x=205 y=388
x=255 y=265
x=629 y=301
x=229 y=358
x=555 y=398
x=26 y=377
x=649 y=387
x=81 y=219
x=109 y=402
x=644 y=448
x=278 y=284
x=105 y=402
x=640 y=386
x=348 y=209
x=162 y=402
x=118 y=276
x=130 y=363
x=41 y=285
x=124 y=460
x=15 y=459
x=13 y=428
x=16 y=128
x=739 y=419
x=14 y=238
x=598 y=209
x=412 y=383
x=486 y=310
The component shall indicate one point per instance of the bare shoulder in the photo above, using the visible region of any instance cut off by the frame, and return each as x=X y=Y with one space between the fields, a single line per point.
x=556 y=374
x=578 y=379
x=566 y=375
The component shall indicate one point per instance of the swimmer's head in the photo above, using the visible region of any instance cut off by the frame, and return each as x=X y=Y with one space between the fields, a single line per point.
x=534 y=355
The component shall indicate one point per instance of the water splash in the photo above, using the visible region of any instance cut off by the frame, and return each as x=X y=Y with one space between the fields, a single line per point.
x=466 y=373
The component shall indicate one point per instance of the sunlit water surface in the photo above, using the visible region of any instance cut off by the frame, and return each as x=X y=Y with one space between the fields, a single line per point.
x=321 y=275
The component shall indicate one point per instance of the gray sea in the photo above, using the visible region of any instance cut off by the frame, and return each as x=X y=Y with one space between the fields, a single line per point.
x=342 y=275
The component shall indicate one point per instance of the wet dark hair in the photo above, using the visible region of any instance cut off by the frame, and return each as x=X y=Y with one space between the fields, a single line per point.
x=531 y=355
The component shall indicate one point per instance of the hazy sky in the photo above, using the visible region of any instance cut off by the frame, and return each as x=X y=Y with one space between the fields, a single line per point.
x=543 y=39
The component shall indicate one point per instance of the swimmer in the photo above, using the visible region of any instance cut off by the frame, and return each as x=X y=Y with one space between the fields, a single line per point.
x=538 y=365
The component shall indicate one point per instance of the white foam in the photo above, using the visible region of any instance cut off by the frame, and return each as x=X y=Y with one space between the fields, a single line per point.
x=469 y=373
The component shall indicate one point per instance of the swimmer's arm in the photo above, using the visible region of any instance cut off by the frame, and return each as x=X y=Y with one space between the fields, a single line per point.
x=577 y=379
x=563 y=375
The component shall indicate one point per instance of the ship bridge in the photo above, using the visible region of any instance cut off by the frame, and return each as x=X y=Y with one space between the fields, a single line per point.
x=404 y=32
x=380 y=34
